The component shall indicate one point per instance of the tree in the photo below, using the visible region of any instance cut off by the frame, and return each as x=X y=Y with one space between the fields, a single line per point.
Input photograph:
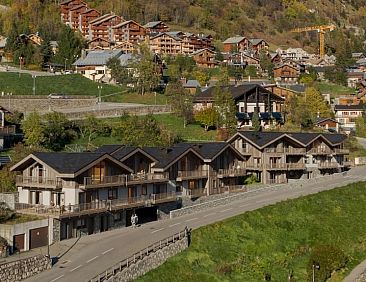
x=202 y=77
x=90 y=128
x=256 y=123
x=226 y=109
x=147 y=75
x=315 y=104
x=180 y=66
x=33 y=130
x=118 y=72
x=361 y=127
x=180 y=100
x=266 y=63
x=69 y=46
x=207 y=117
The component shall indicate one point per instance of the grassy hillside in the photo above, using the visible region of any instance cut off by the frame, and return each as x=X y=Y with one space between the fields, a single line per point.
x=275 y=240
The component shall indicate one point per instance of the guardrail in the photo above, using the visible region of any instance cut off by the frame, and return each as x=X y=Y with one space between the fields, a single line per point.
x=123 y=264
x=38 y=181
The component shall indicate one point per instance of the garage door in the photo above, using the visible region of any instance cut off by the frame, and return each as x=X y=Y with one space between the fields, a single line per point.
x=18 y=242
x=38 y=237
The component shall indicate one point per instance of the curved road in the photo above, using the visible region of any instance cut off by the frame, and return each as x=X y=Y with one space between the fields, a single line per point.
x=93 y=254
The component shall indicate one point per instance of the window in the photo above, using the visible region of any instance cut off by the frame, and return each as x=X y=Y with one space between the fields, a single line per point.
x=81 y=223
x=144 y=189
x=100 y=71
x=112 y=193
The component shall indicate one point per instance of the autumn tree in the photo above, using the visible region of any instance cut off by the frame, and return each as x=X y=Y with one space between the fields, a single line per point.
x=207 y=117
x=33 y=130
x=147 y=75
x=118 y=72
x=225 y=108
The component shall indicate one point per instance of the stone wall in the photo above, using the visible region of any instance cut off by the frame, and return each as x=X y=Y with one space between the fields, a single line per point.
x=24 y=268
x=27 y=103
x=10 y=199
x=150 y=262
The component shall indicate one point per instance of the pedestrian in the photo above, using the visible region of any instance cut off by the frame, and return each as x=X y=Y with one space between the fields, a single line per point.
x=133 y=222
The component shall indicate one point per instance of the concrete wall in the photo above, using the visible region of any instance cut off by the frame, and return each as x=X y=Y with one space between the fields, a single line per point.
x=150 y=261
x=8 y=231
x=40 y=103
x=10 y=199
x=22 y=269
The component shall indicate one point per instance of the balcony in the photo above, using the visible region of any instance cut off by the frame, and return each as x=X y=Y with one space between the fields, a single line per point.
x=295 y=166
x=320 y=151
x=253 y=166
x=341 y=151
x=234 y=172
x=38 y=182
x=96 y=206
x=192 y=174
x=196 y=192
x=90 y=182
x=274 y=150
x=295 y=151
x=147 y=178
x=276 y=166
x=328 y=165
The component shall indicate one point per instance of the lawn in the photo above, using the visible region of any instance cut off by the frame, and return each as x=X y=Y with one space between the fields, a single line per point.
x=22 y=218
x=334 y=89
x=193 y=132
x=275 y=240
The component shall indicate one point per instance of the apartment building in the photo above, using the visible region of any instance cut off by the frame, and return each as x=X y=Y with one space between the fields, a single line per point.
x=277 y=157
x=74 y=16
x=128 y=31
x=346 y=116
x=66 y=6
x=101 y=26
x=85 y=18
x=166 y=44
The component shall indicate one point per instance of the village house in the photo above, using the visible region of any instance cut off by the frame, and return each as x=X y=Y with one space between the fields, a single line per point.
x=257 y=45
x=236 y=44
x=248 y=98
x=346 y=116
x=156 y=27
x=204 y=58
x=166 y=44
x=286 y=91
x=99 y=43
x=295 y=54
x=328 y=124
x=94 y=65
x=286 y=73
x=354 y=77
x=191 y=85
x=128 y=31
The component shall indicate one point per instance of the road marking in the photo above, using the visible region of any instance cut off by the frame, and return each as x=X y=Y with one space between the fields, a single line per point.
x=107 y=251
x=157 y=230
x=92 y=259
x=226 y=210
x=209 y=214
x=188 y=220
x=261 y=201
x=75 y=268
x=57 y=278
x=175 y=224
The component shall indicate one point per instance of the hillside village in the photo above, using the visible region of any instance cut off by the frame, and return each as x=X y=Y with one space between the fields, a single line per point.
x=273 y=129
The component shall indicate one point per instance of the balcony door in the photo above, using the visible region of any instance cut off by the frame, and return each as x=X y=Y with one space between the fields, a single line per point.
x=98 y=173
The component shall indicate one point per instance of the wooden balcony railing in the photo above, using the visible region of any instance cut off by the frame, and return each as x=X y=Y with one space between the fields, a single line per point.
x=341 y=151
x=295 y=166
x=276 y=166
x=328 y=165
x=147 y=177
x=274 y=150
x=253 y=166
x=34 y=181
x=114 y=179
x=196 y=192
x=95 y=206
x=232 y=172
x=187 y=174
x=321 y=151
x=295 y=151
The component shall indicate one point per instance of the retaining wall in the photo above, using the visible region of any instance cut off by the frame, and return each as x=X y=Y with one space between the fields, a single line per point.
x=10 y=198
x=24 y=268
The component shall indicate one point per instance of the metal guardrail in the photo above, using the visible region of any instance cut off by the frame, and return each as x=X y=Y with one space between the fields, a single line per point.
x=123 y=264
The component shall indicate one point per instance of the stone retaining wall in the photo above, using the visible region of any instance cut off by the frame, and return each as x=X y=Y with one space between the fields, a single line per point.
x=27 y=104
x=24 y=268
x=151 y=261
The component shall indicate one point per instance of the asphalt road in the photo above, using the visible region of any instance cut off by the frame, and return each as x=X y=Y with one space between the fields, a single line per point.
x=95 y=253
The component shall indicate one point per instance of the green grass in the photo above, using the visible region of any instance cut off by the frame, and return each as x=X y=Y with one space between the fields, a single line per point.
x=334 y=89
x=21 y=218
x=274 y=239
x=72 y=84
x=193 y=132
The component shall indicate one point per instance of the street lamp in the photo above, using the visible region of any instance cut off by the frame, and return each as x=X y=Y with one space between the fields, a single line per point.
x=315 y=266
x=66 y=59
x=100 y=87
x=34 y=84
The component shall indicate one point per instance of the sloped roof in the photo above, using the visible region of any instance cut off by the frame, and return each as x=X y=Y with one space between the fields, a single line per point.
x=152 y=24
x=192 y=83
x=126 y=22
x=208 y=150
x=234 y=40
x=201 y=50
x=97 y=57
x=256 y=41
x=360 y=107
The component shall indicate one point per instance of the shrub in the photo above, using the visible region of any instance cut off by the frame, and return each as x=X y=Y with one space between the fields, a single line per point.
x=329 y=258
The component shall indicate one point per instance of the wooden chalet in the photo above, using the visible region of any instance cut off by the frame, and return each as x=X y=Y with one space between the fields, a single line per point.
x=85 y=18
x=66 y=6
x=236 y=44
x=99 y=43
x=166 y=43
x=128 y=31
x=156 y=27
x=101 y=27
x=286 y=73
x=257 y=45
x=205 y=58
x=74 y=16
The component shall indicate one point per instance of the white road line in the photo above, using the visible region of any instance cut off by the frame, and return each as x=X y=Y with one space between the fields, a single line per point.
x=226 y=210
x=175 y=224
x=75 y=268
x=188 y=220
x=107 y=251
x=209 y=214
x=261 y=201
x=157 y=230
x=57 y=278
x=92 y=259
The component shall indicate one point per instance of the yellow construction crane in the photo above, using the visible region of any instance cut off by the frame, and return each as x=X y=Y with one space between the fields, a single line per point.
x=321 y=29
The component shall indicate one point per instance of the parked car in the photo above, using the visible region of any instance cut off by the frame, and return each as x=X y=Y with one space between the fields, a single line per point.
x=58 y=96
